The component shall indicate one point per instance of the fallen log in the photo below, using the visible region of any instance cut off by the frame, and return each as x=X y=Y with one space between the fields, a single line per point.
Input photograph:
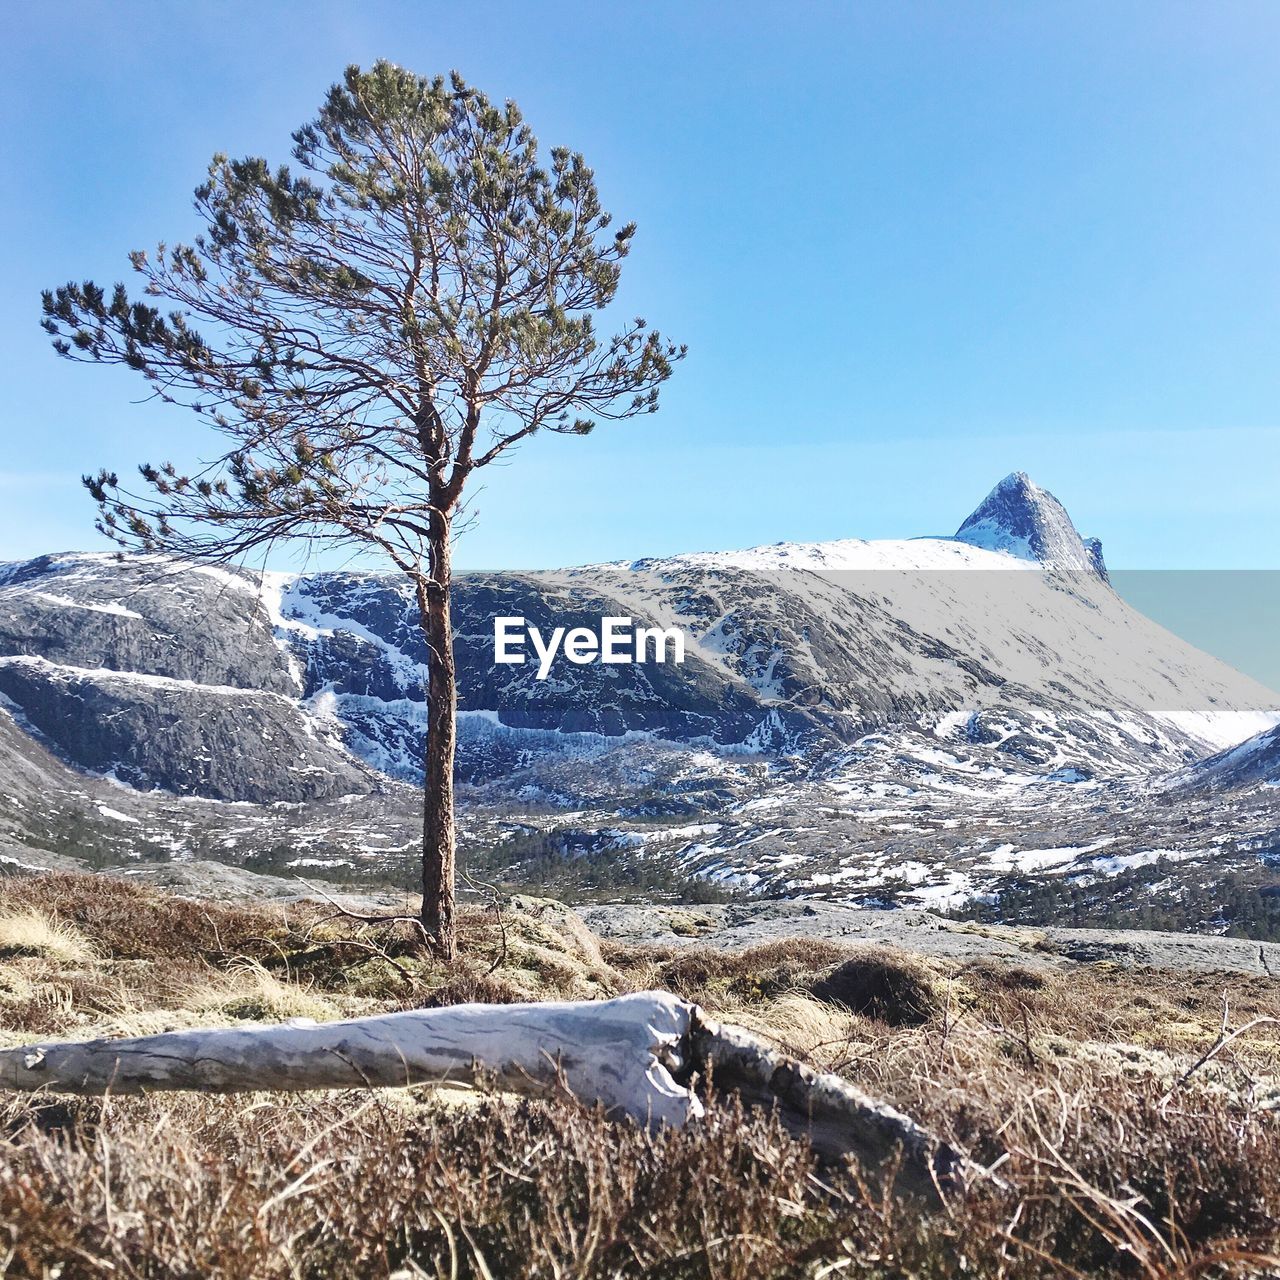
x=837 y=1117
x=616 y=1052
x=638 y=1055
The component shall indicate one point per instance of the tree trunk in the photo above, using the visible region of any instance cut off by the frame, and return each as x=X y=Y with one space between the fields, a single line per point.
x=438 y=831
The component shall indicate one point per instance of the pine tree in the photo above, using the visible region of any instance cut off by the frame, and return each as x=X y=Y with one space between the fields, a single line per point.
x=364 y=332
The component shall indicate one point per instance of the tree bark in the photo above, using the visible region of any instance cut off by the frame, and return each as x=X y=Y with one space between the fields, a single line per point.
x=439 y=836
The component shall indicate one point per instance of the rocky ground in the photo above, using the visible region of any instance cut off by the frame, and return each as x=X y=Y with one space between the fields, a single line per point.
x=923 y=933
x=736 y=926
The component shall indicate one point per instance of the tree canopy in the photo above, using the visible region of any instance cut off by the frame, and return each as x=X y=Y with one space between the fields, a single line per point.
x=366 y=328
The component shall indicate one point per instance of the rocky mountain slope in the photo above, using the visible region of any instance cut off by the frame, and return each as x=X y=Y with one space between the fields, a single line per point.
x=918 y=719
x=1254 y=763
x=162 y=676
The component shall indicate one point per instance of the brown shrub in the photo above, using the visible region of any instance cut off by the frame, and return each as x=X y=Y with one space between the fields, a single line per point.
x=349 y=1185
x=134 y=922
x=472 y=988
x=342 y=1187
x=702 y=973
x=881 y=985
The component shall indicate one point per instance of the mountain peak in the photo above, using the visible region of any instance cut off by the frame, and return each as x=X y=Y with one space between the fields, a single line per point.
x=1024 y=520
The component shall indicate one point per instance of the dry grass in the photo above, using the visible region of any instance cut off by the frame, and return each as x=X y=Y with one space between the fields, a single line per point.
x=1068 y=1081
x=246 y=991
x=26 y=932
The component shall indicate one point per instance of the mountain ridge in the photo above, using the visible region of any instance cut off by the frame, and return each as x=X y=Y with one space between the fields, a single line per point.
x=851 y=715
x=792 y=647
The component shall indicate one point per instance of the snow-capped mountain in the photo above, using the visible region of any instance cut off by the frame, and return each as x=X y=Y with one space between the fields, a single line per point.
x=1022 y=519
x=247 y=687
x=935 y=686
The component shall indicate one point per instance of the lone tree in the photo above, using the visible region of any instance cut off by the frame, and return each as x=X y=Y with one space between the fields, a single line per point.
x=364 y=333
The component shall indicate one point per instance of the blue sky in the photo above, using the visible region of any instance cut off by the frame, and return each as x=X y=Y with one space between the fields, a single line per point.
x=911 y=248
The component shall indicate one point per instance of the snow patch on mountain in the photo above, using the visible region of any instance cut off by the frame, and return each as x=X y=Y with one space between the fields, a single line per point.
x=65 y=671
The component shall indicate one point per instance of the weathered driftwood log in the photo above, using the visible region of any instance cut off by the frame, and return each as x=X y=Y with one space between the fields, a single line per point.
x=617 y=1052
x=638 y=1055
x=837 y=1117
